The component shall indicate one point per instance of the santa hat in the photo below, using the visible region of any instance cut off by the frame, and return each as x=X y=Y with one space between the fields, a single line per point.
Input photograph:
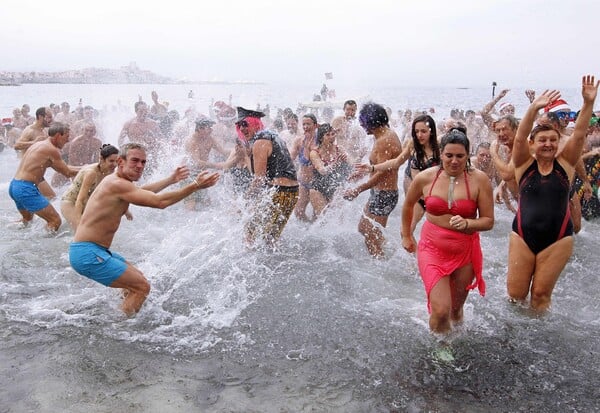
x=558 y=105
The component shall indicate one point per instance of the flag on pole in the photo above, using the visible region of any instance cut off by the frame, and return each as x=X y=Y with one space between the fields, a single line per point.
x=328 y=76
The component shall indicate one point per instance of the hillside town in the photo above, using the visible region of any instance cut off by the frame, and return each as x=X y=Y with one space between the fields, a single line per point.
x=125 y=74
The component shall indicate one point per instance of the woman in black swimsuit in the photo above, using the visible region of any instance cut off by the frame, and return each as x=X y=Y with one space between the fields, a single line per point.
x=541 y=242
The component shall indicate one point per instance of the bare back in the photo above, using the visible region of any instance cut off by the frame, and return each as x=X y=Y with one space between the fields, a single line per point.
x=386 y=147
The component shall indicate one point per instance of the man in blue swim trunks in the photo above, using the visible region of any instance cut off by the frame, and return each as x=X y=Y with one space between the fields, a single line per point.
x=383 y=184
x=89 y=252
x=40 y=156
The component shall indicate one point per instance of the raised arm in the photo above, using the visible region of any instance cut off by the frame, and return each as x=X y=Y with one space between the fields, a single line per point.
x=520 y=153
x=574 y=146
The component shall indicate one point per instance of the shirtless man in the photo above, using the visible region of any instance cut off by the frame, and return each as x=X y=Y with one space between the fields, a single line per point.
x=291 y=132
x=18 y=120
x=85 y=149
x=34 y=133
x=198 y=146
x=383 y=184
x=65 y=115
x=506 y=130
x=142 y=130
x=89 y=252
x=482 y=160
x=40 y=156
x=158 y=110
x=25 y=112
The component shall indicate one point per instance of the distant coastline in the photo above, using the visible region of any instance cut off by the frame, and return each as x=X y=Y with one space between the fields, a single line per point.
x=130 y=74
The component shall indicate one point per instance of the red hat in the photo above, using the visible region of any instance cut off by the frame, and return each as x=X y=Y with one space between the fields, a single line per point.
x=557 y=106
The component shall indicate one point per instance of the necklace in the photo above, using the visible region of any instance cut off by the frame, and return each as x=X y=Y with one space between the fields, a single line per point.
x=451 y=191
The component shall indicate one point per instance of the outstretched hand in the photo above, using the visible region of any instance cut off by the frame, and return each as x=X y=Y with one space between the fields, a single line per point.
x=545 y=98
x=588 y=88
x=180 y=173
x=530 y=93
x=206 y=179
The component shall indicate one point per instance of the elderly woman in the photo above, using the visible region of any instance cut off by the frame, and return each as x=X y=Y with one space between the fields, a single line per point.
x=542 y=239
x=75 y=198
x=331 y=168
x=458 y=204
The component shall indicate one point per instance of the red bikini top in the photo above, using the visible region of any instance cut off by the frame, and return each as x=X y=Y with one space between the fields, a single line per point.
x=466 y=208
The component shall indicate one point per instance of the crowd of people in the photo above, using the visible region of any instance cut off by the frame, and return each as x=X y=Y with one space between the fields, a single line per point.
x=545 y=168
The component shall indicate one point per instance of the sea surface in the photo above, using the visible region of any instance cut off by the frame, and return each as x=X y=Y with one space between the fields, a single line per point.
x=315 y=326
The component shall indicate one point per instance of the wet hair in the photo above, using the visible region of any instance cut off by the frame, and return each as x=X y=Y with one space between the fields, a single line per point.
x=484 y=145
x=433 y=142
x=278 y=124
x=373 y=115
x=458 y=136
x=40 y=112
x=542 y=128
x=552 y=118
x=349 y=102
x=57 y=127
x=288 y=113
x=138 y=104
x=311 y=117
x=292 y=116
x=129 y=146
x=322 y=131
x=108 y=150
x=512 y=121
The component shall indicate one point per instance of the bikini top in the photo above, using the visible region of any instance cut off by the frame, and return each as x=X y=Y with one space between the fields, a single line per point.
x=466 y=208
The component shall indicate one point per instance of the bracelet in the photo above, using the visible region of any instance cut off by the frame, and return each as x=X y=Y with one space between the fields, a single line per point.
x=196 y=183
x=466 y=224
x=372 y=168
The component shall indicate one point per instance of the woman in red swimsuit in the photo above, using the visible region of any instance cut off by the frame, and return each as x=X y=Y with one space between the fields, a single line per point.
x=458 y=204
x=542 y=239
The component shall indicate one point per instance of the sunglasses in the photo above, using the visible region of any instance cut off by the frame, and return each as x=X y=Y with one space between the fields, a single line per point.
x=595 y=121
x=242 y=124
x=566 y=115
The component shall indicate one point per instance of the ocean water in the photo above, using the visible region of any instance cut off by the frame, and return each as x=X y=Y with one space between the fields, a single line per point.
x=316 y=326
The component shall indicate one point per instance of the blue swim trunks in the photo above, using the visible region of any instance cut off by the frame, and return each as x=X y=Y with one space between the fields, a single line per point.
x=96 y=262
x=27 y=196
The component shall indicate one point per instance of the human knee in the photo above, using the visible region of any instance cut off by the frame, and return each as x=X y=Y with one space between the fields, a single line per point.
x=440 y=314
x=517 y=293
x=540 y=299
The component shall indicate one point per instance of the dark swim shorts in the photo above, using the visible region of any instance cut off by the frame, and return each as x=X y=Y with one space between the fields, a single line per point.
x=382 y=203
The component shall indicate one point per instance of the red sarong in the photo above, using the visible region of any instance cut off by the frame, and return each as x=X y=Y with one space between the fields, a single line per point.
x=441 y=251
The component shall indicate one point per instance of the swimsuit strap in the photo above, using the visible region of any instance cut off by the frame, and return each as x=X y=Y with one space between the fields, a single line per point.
x=434 y=181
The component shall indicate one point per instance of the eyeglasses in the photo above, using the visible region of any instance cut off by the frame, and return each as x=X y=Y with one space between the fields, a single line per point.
x=566 y=115
x=242 y=124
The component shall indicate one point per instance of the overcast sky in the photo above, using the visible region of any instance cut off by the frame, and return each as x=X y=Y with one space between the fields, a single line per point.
x=396 y=42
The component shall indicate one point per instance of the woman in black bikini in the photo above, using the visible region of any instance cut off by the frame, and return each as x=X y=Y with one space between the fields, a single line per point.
x=541 y=242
